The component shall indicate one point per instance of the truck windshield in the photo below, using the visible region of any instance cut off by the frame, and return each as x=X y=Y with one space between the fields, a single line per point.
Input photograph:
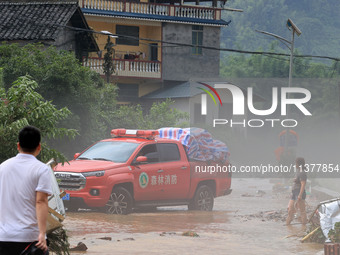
x=110 y=151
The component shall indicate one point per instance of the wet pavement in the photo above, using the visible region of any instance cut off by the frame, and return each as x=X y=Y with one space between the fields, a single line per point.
x=238 y=224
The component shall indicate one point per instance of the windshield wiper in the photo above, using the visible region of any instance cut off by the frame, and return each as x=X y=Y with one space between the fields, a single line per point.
x=104 y=159
x=83 y=158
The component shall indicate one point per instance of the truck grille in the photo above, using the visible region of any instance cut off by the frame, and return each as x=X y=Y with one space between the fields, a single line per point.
x=70 y=181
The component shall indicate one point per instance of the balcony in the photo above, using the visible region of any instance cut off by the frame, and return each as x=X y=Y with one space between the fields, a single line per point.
x=127 y=67
x=159 y=10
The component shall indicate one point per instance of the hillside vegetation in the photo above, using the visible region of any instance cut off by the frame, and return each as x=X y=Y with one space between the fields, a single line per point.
x=318 y=20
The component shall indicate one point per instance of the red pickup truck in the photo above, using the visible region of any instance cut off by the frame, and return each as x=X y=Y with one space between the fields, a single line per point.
x=135 y=169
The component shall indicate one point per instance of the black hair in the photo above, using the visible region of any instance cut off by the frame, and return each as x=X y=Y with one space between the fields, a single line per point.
x=300 y=162
x=29 y=138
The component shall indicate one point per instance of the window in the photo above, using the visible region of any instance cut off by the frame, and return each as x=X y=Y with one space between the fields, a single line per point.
x=131 y=32
x=150 y=151
x=163 y=152
x=109 y=151
x=168 y=152
x=197 y=39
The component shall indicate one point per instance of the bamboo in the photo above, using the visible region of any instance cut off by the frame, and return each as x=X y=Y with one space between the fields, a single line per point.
x=56 y=214
x=310 y=234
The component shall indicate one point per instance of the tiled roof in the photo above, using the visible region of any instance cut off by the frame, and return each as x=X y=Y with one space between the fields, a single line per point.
x=34 y=20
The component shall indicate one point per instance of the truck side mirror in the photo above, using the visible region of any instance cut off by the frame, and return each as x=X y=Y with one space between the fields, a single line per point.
x=76 y=155
x=141 y=159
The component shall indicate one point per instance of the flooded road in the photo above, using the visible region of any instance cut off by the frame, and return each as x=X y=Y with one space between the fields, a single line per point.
x=233 y=227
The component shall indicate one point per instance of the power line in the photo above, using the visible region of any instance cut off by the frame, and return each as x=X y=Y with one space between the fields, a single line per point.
x=302 y=64
x=186 y=44
x=212 y=48
x=241 y=51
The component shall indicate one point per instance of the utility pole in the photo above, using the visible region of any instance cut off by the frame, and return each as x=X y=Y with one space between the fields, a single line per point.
x=290 y=45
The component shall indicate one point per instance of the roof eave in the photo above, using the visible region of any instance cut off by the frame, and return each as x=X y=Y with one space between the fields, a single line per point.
x=158 y=18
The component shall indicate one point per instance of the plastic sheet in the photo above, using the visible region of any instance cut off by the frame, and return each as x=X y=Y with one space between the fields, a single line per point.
x=329 y=212
x=198 y=142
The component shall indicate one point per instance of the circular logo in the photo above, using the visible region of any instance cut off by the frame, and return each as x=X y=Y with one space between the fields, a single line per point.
x=143 y=180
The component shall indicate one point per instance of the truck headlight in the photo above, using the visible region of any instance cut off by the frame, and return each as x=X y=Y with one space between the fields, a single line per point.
x=94 y=173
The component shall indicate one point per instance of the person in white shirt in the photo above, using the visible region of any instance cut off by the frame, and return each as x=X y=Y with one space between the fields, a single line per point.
x=24 y=188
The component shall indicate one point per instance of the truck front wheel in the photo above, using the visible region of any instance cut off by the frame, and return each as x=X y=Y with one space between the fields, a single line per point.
x=120 y=201
x=203 y=199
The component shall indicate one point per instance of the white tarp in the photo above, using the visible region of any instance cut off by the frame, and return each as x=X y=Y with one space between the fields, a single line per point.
x=54 y=201
x=329 y=212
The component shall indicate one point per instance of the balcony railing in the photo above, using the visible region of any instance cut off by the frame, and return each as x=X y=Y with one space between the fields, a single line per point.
x=195 y=12
x=184 y=11
x=127 y=67
x=146 y=8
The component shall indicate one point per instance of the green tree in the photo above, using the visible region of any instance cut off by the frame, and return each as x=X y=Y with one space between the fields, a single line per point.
x=21 y=105
x=1 y=79
x=108 y=64
x=317 y=20
x=161 y=114
x=63 y=79
x=318 y=78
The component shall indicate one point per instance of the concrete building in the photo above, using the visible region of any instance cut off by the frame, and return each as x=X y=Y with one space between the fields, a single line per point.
x=158 y=44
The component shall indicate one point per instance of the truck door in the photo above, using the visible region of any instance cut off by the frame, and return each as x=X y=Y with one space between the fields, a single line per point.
x=145 y=175
x=174 y=181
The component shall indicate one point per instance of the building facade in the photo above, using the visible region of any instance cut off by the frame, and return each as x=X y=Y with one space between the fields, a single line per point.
x=158 y=44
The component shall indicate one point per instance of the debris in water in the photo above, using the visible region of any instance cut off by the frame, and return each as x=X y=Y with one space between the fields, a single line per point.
x=80 y=247
x=106 y=238
x=247 y=195
x=260 y=192
x=167 y=233
x=190 y=233
x=129 y=239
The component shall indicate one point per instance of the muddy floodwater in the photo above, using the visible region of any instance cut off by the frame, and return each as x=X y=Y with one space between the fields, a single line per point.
x=239 y=224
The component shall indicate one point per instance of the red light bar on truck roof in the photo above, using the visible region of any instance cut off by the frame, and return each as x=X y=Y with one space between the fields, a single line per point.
x=149 y=134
